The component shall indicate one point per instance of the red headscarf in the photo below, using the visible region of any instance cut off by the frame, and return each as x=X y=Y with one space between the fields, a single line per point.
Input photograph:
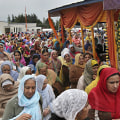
x=103 y=100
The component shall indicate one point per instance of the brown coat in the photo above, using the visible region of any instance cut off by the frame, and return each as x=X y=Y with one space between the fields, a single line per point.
x=102 y=115
x=4 y=95
x=75 y=73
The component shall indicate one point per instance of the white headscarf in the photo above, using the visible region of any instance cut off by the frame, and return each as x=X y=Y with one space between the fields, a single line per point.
x=40 y=80
x=64 y=52
x=69 y=103
x=23 y=71
x=47 y=94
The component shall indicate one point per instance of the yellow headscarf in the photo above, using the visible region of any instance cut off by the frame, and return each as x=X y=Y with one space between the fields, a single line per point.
x=94 y=83
x=77 y=59
x=94 y=62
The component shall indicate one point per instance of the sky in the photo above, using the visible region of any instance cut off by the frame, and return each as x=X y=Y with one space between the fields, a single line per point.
x=39 y=7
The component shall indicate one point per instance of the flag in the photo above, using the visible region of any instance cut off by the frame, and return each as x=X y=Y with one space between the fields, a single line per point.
x=25 y=19
x=111 y=4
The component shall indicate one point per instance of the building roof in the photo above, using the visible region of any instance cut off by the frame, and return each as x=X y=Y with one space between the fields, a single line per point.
x=56 y=11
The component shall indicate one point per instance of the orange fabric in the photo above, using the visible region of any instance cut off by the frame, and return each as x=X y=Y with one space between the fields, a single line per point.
x=62 y=30
x=69 y=17
x=103 y=17
x=88 y=14
x=111 y=38
x=52 y=26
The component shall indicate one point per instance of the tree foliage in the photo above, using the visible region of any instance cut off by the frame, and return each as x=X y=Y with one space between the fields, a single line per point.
x=32 y=19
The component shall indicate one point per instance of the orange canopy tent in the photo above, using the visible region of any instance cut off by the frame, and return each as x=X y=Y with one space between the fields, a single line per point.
x=88 y=13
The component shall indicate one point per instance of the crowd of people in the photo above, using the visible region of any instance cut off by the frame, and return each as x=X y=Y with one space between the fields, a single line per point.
x=44 y=79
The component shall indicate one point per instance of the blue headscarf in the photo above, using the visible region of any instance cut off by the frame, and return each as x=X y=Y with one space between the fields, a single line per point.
x=65 y=43
x=55 y=46
x=31 y=106
x=13 y=73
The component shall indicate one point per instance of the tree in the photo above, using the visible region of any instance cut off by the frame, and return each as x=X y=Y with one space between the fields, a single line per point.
x=13 y=18
x=32 y=19
x=8 y=19
x=57 y=24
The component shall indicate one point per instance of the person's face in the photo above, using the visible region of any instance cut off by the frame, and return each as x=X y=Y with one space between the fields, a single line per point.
x=6 y=69
x=113 y=83
x=67 y=58
x=89 y=48
x=11 y=42
x=72 y=49
x=67 y=45
x=45 y=84
x=17 y=56
x=1 y=48
x=81 y=60
x=55 y=55
x=76 y=37
x=8 y=87
x=43 y=71
x=94 y=69
x=29 y=88
x=14 y=42
x=28 y=72
x=87 y=57
x=84 y=113
x=45 y=56
x=35 y=60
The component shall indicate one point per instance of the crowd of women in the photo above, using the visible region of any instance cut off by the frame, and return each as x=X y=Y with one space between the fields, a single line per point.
x=43 y=79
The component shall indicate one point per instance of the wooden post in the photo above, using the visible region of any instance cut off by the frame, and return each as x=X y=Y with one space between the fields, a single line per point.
x=93 y=43
x=82 y=39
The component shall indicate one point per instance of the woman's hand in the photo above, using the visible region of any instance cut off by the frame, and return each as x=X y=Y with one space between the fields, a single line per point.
x=46 y=111
x=94 y=77
x=24 y=116
x=17 y=64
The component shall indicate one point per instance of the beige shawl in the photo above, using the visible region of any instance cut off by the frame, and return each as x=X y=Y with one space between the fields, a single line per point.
x=4 y=95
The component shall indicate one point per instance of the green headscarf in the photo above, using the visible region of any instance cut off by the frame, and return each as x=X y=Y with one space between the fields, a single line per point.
x=39 y=65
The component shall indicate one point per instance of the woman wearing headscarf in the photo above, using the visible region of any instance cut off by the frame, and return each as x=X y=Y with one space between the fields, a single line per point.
x=56 y=62
x=66 y=44
x=52 y=77
x=66 y=63
x=70 y=105
x=8 y=89
x=73 y=52
x=94 y=82
x=18 y=60
x=45 y=58
x=34 y=60
x=57 y=47
x=25 y=105
x=76 y=70
x=105 y=97
x=89 y=74
x=24 y=71
x=47 y=94
x=6 y=67
x=3 y=55
x=10 y=47
x=88 y=47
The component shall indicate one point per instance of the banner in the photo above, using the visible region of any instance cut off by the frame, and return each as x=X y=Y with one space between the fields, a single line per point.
x=111 y=4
